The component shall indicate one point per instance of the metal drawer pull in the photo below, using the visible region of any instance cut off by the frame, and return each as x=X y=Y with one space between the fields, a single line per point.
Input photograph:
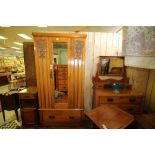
x=130 y=109
x=27 y=97
x=132 y=99
x=71 y=117
x=110 y=99
x=51 y=117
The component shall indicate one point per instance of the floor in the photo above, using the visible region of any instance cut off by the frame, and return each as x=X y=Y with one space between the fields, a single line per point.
x=9 y=116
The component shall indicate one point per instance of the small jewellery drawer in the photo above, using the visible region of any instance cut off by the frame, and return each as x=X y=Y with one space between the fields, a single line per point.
x=62 y=82
x=62 y=87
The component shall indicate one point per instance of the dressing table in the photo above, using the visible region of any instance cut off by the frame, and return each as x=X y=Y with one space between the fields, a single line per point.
x=111 y=70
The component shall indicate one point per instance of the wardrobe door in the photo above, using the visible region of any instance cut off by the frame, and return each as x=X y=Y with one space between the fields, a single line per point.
x=59 y=61
x=76 y=68
x=42 y=63
x=59 y=51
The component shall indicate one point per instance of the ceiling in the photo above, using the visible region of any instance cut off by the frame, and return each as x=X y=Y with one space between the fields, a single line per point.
x=12 y=31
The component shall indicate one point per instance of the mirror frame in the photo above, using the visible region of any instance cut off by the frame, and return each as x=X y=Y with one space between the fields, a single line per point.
x=98 y=73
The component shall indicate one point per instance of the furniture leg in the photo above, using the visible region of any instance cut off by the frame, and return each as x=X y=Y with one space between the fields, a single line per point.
x=16 y=112
x=3 y=115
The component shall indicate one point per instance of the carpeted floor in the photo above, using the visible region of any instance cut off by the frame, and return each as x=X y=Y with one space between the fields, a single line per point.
x=11 y=125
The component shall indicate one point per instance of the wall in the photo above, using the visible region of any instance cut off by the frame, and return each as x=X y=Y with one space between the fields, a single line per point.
x=143 y=80
x=99 y=44
x=140 y=48
x=140 y=54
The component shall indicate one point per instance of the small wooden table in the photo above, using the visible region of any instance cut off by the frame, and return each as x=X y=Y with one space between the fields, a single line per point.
x=110 y=117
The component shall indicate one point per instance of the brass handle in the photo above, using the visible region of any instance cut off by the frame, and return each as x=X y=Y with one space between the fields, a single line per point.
x=110 y=99
x=71 y=117
x=51 y=70
x=132 y=99
x=51 y=117
x=130 y=110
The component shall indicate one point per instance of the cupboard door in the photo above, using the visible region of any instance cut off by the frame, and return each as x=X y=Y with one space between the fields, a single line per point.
x=42 y=63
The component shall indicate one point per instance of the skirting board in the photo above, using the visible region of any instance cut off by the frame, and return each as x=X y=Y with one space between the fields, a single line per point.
x=140 y=62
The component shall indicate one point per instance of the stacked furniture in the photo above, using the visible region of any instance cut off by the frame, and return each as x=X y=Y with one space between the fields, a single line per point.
x=62 y=77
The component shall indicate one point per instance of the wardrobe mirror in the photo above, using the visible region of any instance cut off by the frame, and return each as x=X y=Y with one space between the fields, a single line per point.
x=60 y=63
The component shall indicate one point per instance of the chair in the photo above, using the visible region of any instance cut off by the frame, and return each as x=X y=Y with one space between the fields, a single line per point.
x=9 y=102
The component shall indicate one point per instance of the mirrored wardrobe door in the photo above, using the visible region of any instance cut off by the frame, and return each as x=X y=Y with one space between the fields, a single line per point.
x=59 y=71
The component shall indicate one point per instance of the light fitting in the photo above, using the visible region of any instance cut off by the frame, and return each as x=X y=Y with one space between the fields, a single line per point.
x=1 y=37
x=24 y=36
x=2 y=48
x=18 y=51
x=18 y=43
x=17 y=48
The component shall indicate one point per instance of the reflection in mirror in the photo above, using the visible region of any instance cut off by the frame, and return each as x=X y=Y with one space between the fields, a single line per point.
x=112 y=66
x=60 y=59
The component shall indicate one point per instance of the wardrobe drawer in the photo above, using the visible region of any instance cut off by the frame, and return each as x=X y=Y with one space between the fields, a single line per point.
x=62 y=87
x=62 y=116
x=120 y=99
x=61 y=82
x=62 y=69
x=62 y=77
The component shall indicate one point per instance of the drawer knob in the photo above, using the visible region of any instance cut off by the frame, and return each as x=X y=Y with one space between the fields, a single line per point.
x=71 y=117
x=110 y=99
x=51 y=117
x=132 y=99
x=130 y=110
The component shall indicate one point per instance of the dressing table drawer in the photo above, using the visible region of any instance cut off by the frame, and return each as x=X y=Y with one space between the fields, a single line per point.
x=131 y=108
x=124 y=99
x=127 y=100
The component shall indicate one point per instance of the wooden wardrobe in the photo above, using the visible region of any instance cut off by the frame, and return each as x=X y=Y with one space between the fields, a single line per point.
x=52 y=50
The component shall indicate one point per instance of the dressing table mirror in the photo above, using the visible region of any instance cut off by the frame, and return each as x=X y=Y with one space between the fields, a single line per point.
x=111 y=66
x=110 y=69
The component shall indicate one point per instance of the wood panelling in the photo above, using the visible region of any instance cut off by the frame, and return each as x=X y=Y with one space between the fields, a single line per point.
x=98 y=44
x=143 y=80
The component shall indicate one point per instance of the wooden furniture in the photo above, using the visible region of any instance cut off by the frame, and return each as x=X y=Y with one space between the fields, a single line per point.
x=28 y=99
x=29 y=61
x=9 y=102
x=51 y=110
x=127 y=99
x=111 y=70
x=4 y=78
x=62 y=77
x=111 y=65
x=146 y=121
x=110 y=117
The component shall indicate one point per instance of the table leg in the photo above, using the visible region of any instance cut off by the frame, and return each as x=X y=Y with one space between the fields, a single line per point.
x=3 y=114
x=16 y=112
